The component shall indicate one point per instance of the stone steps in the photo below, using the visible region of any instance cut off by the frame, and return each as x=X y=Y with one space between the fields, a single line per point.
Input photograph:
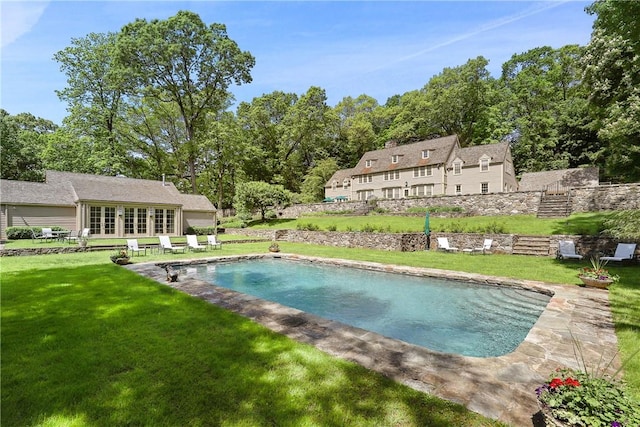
x=532 y=245
x=554 y=206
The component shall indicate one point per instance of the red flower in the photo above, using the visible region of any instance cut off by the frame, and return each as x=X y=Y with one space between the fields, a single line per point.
x=572 y=382
x=555 y=383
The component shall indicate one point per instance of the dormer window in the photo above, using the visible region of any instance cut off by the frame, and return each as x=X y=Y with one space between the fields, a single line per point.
x=425 y=154
x=367 y=163
x=334 y=185
x=457 y=168
x=484 y=165
x=345 y=184
x=394 y=158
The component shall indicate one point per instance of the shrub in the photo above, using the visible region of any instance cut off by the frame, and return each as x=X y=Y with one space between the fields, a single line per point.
x=332 y=227
x=307 y=227
x=200 y=231
x=21 y=233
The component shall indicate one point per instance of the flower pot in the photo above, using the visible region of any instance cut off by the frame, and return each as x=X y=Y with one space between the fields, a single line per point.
x=548 y=419
x=120 y=261
x=595 y=283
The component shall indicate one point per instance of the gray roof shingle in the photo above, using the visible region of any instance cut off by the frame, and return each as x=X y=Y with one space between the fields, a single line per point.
x=67 y=188
x=409 y=155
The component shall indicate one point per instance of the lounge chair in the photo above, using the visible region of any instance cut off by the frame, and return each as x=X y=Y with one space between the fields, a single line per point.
x=567 y=250
x=133 y=248
x=165 y=245
x=624 y=251
x=486 y=247
x=443 y=243
x=213 y=242
x=192 y=243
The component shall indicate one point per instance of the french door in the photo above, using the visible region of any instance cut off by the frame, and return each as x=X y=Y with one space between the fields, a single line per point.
x=102 y=220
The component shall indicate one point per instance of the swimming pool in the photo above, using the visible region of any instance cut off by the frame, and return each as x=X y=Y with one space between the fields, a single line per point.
x=444 y=315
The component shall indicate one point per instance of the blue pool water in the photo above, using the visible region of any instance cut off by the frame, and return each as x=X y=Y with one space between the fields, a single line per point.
x=443 y=315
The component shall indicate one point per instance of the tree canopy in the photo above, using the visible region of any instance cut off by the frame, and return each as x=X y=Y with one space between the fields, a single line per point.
x=156 y=98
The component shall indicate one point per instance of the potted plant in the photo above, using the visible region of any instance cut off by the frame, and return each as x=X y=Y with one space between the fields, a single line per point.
x=596 y=275
x=274 y=247
x=576 y=398
x=120 y=257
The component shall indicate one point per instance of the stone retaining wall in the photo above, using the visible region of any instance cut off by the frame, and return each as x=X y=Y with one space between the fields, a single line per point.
x=410 y=242
x=583 y=199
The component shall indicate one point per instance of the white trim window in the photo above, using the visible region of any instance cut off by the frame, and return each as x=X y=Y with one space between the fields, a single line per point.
x=394 y=158
x=345 y=184
x=422 y=190
x=334 y=185
x=457 y=168
x=484 y=165
x=422 y=171
x=364 y=195
x=367 y=163
x=391 y=175
x=391 y=193
x=458 y=189
x=425 y=154
x=484 y=187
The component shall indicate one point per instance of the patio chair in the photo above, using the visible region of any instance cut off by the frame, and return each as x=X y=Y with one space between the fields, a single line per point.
x=133 y=248
x=567 y=250
x=35 y=236
x=213 y=242
x=624 y=252
x=72 y=236
x=192 y=243
x=486 y=247
x=165 y=245
x=443 y=244
x=47 y=233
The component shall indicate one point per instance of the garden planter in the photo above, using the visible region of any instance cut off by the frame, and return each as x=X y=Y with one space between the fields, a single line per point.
x=595 y=283
x=120 y=261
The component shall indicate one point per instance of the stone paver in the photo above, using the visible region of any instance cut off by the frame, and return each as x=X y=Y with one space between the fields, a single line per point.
x=498 y=387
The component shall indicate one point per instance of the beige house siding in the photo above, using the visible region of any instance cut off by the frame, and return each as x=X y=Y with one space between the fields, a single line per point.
x=197 y=219
x=39 y=216
x=109 y=206
x=427 y=168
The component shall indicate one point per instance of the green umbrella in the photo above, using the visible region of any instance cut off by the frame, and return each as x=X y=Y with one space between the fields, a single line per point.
x=427 y=231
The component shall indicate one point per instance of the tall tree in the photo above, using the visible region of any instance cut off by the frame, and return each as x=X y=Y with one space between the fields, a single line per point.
x=95 y=92
x=183 y=61
x=543 y=84
x=612 y=73
x=313 y=184
x=23 y=138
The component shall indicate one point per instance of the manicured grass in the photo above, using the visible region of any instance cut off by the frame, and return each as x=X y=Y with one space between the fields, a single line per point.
x=584 y=223
x=85 y=342
x=98 y=345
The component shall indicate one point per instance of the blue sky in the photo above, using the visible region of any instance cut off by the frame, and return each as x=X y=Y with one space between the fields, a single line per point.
x=350 y=48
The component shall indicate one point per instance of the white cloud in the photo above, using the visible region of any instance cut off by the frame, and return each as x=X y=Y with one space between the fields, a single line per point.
x=18 y=18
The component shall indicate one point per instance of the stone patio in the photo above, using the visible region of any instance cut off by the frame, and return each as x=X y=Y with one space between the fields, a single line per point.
x=501 y=388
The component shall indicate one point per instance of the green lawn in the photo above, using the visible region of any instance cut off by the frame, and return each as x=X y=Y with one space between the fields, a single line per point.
x=85 y=342
x=584 y=223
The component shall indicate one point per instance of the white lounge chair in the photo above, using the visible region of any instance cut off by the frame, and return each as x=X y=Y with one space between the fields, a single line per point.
x=486 y=247
x=443 y=243
x=567 y=250
x=133 y=248
x=213 y=242
x=165 y=245
x=192 y=243
x=624 y=251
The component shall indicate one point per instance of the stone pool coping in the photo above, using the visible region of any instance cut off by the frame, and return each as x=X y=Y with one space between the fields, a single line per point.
x=501 y=387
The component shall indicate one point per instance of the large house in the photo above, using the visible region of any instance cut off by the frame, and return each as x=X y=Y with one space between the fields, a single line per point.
x=427 y=168
x=109 y=206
